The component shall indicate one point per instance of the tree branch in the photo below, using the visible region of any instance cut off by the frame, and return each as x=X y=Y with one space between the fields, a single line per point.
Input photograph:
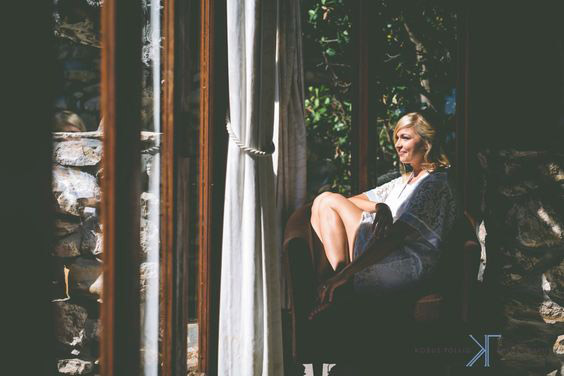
x=420 y=54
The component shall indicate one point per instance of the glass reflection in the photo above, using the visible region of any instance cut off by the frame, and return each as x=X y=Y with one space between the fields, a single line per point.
x=151 y=180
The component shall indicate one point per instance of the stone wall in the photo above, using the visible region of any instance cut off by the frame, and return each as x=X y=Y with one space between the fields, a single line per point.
x=524 y=220
x=77 y=254
x=78 y=250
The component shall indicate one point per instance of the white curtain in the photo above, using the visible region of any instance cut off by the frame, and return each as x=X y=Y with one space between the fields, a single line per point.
x=291 y=141
x=290 y=158
x=250 y=330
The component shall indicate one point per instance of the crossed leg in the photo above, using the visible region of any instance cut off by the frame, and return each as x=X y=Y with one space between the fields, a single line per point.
x=335 y=220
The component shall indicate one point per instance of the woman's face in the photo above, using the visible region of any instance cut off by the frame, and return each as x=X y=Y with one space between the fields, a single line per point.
x=410 y=146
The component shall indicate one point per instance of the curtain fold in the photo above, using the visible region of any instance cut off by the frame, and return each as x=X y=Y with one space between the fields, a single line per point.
x=250 y=329
x=290 y=135
x=291 y=170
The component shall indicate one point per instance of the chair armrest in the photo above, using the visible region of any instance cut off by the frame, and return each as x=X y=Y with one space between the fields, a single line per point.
x=471 y=254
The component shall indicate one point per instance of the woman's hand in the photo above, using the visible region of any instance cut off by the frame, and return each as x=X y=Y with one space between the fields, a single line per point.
x=383 y=221
x=326 y=292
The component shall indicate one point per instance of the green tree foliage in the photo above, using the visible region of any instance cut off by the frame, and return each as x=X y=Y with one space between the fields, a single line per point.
x=418 y=67
x=327 y=51
x=417 y=70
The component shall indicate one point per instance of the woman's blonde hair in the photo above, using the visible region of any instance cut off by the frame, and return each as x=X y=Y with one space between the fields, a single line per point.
x=434 y=157
x=68 y=121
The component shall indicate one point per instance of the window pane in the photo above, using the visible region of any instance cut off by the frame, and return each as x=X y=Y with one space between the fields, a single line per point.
x=419 y=70
x=150 y=186
x=188 y=127
x=192 y=164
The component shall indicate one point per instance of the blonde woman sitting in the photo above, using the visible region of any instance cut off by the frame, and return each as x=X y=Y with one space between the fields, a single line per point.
x=389 y=237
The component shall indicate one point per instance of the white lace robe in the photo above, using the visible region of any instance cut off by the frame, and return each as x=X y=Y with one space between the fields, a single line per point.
x=429 y=207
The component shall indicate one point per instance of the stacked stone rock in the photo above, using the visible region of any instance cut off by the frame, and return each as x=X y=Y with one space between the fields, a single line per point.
x=78 y=249
x=525 y=257
x=77 y=27
x=81 y=84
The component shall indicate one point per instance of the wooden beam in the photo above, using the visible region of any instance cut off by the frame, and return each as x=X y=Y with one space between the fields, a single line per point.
x=211 y=181
x=121 y=108
x=363 y=88
x=204 y=183
x=187 y=36
x=462 y=106
x=169 y=298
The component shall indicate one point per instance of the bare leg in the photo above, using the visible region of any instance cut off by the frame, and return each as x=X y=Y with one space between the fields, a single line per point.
x=335 y=219
x=315 y=213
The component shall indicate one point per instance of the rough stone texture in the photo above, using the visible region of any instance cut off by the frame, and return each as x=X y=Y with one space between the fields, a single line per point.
x=79 y=153
x=192 y=351
x=524 y=222
x=69 y=136
x=149 y=236
x=96 y=287
x=149 y=203
x=537 y=225
x=82 y=32
x=83 y=274
x=93 y=104
x=91 y=236
x=74 y=366
x=70 y=185
x=149 y=273
x=92 y=330
x=192 y=359
x=551 y=312
x=64 y=228
x=70 y=322
x=80 y=236
x=77 y=171
x=555 y=277
x=59 y=286
x=69 y=246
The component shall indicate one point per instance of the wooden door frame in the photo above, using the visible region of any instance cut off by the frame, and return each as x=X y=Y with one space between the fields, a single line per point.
x=171 y=300
x=121 y=105
x=463 y=105
x=211 y=180
x=363 y=137
x=361 y=109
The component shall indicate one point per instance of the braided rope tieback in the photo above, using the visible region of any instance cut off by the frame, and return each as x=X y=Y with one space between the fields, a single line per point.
x=152 y=150
x=252 y=151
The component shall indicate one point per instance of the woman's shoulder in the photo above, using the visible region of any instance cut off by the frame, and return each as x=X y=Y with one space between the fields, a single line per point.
x=381 y=191
x=442 y=174
x=439 y=179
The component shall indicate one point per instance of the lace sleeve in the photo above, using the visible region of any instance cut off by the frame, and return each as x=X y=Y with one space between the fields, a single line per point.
x=380 y=193
x=431 y=209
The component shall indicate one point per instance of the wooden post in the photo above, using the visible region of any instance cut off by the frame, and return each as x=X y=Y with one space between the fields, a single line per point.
x=121 y=106
x=211 y=181
x=171 y=297
x=367 y=61
x=462 y=106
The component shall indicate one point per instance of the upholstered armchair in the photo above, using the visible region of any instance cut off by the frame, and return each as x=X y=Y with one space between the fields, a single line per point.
x=357 y=328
